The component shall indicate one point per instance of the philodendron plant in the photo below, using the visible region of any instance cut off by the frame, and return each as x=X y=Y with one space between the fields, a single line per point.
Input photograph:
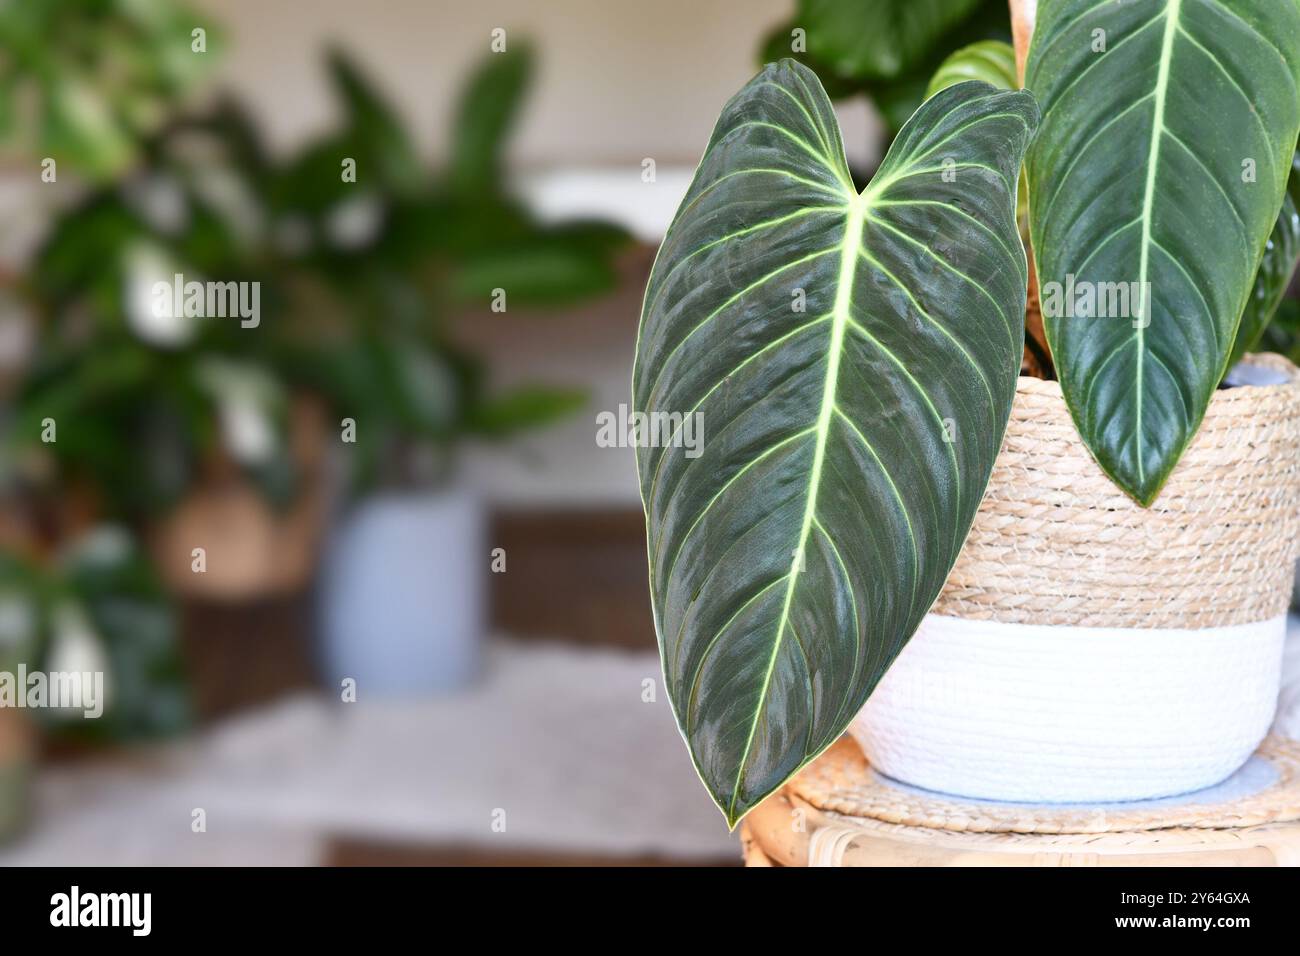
x=1169 y=129
x=851 y=358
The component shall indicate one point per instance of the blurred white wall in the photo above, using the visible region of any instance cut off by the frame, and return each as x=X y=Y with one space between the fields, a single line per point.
x=619 y=80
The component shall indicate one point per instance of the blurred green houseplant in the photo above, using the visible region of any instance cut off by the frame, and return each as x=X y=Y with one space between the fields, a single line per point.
x=98 y=607
x=359 y=284
x=83 y=81
x=886 y=50
x=427 y=247
x=358 y=281
x=82 y=87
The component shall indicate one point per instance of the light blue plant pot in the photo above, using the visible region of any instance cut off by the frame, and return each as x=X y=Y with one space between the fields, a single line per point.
x=403 y=594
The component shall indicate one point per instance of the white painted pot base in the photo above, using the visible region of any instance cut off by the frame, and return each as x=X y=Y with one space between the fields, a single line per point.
x=1049 y=714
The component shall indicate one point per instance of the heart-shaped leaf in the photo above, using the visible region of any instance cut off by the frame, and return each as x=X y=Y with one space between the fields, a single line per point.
x=1275 y=269
x=1167 y=137
x=821 y=386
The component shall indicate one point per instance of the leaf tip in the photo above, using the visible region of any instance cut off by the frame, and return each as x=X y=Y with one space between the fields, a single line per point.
x=1146 y=496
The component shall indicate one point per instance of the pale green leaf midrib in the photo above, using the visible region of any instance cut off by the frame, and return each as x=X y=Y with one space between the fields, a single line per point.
x=841 y=314
x=1148 y=206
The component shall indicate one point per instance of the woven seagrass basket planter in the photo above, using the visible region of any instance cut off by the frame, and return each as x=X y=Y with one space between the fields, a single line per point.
x=1087 y=649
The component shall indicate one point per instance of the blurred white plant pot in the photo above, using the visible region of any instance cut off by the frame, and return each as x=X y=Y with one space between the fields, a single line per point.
x=403 y=593
x=1085 y=648
x=1072 y=714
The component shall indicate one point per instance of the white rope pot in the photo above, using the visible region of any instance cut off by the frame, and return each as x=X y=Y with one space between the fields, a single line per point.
x=1086 y=649
x=1065 y=714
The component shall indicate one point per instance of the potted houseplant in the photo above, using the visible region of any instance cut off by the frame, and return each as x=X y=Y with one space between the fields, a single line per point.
x=403 y=590
x=191 y=447
x=179 y=426
x=212 y=436
x=853 y=358
x=1157 y=647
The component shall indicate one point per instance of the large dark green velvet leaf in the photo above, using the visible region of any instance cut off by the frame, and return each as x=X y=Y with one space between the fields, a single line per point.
x=1167 y=137
x=849 y=362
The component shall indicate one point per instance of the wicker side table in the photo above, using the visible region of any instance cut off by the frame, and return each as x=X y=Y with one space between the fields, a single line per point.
x=838 y=812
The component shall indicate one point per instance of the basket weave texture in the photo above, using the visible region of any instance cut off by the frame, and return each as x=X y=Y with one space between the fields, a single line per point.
x=839 y=781
x=1057 y=542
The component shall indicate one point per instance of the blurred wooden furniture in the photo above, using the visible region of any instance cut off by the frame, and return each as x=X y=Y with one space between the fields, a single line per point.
x=576 y=576
x=244 y=655
x=1255 y=821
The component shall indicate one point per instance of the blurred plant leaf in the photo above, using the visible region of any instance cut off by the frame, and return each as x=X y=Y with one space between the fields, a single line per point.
x=491 y=101
x=233 y=132
x=311 y=181
x=895 y=95
x=358 y=321
x=95 y=78
x=543 y=272
x=114 y=397
x=882 y=40
x=74 y=258
x=1282 y=335
x=898 y=100
x=524 y=408
x=106 y=578
x=782 y=42
x=79 y=124
x=592 y=236
x=374 y=135
x=116 y=587
x=1275 y=270
x=24 y=599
